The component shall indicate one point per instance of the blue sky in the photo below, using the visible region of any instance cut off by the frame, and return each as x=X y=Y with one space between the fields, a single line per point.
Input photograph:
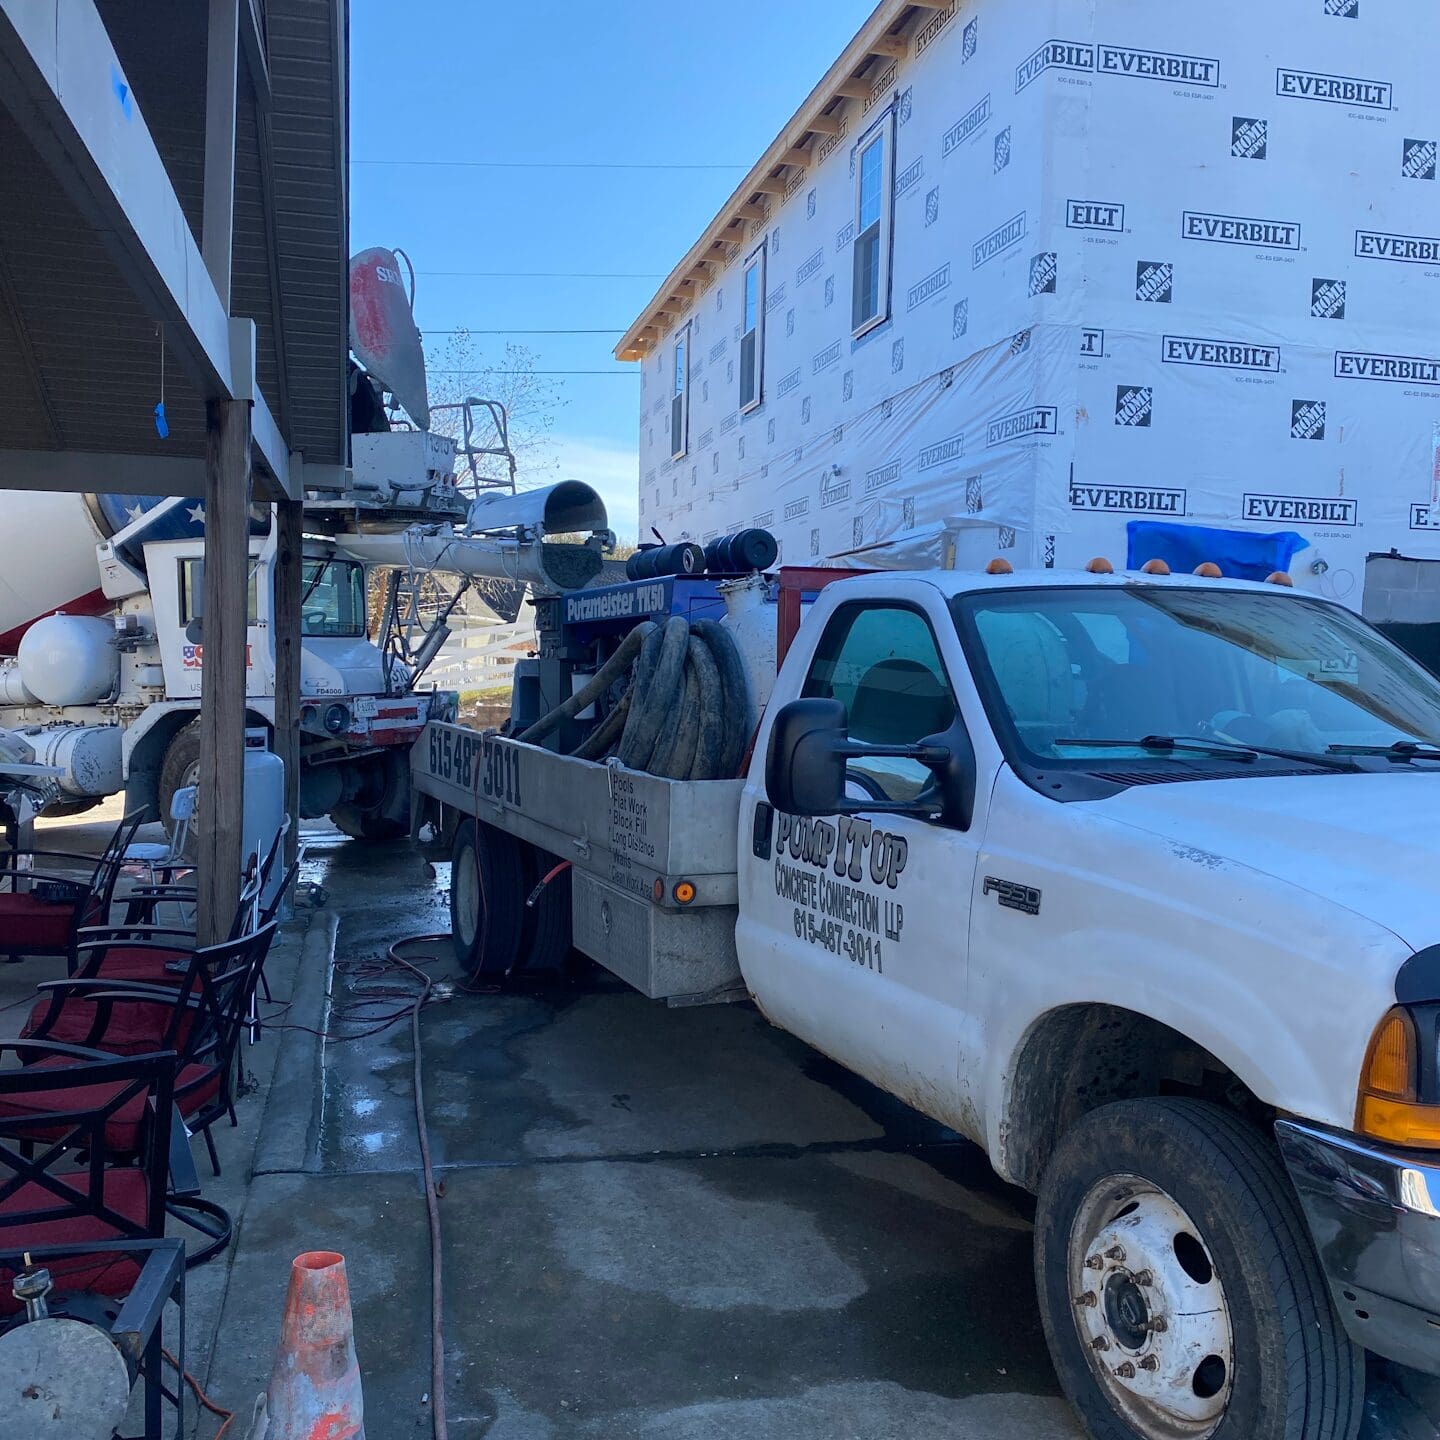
x=594 y=82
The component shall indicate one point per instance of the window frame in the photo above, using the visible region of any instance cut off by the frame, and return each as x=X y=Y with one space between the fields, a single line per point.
x=678 y=451
x=847 y=614
x=757 y=260
x=190 y=588
x=883 y=130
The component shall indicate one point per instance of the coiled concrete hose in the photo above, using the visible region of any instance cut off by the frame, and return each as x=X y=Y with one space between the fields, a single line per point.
x=686 y=714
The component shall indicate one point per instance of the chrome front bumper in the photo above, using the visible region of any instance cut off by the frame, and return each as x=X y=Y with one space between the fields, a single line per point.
x=1374 y=1214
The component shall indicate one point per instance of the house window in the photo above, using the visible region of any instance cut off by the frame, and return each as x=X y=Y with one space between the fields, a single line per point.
x=752 y=336
x=874 y=197
x=680 y=395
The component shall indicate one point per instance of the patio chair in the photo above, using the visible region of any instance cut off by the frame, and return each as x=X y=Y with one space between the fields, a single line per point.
x=45 y=906
x=96 y=1226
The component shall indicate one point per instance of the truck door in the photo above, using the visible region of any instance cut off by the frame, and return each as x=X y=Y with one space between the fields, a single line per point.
x=853 y=929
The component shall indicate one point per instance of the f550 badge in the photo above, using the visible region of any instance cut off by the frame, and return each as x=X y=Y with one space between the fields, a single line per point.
x=1013 y=895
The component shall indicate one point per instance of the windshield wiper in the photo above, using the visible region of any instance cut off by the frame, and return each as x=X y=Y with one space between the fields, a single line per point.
x=1235 y=748
x=1400 y=750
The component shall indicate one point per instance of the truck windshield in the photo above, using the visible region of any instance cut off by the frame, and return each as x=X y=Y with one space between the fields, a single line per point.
x=333 y=599
x=1060 y=667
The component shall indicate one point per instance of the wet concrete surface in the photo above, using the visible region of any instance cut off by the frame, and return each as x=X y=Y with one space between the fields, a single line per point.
x=671 y=1224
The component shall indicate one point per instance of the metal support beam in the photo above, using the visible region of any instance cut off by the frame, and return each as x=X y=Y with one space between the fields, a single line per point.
x=222 y=62
x=289 y=554
x=222 y=695
x=78 y=471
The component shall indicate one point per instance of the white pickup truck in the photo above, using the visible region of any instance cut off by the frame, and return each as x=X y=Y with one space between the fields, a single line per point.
x=1131 y=879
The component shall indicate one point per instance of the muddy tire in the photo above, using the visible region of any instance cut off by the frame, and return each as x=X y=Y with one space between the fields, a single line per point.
x=546 y=940
x=1181 y=1295
x=179 y=768
x=367 y=826
x=487 y=900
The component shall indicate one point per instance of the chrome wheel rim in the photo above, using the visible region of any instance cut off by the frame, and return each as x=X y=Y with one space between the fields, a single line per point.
x=465 y=883
x=1150 y=1309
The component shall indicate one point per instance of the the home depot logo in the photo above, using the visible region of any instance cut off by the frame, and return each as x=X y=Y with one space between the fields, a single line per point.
x=1349 y=90
x=1249 y=138
x=1128 y=499
x=1002 y=150
x=1240 y=230
x=1044 y=269
x=1307 y=419
x=1403 y=249
x=1054 y=55
x=1155 y=281
x=998 y=241
x=1219 y=354
x=1344 y=9
x=1021 y=424
x=1158 y=65
x=1134 y=405
x=1300 y=509
x=1327 y=299
x=1419 y=161
x=1395 y=369
x=974 y=495
x=1094 y=215
x=970 y=42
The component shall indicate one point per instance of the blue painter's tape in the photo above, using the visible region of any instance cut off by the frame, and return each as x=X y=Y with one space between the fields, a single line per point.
x=162 y=425
x=122 y=93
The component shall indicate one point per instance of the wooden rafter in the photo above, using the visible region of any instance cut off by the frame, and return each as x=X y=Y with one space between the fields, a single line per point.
x=826 y=124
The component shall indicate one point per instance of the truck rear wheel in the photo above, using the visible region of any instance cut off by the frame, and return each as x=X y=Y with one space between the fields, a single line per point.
x=179 y=768
x=1180 y=1292
x=487 y=899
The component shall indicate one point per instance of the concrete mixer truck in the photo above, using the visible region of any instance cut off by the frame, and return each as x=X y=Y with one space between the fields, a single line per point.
x=102 y=638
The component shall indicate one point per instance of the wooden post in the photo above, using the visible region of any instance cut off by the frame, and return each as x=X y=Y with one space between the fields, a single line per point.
x=223 y=675
x=289 y=555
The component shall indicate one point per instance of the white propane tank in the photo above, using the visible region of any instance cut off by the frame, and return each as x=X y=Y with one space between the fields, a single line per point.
x=12 y=687
x=750 y=617
x=264 y=806
x=69 y=660
x=89 y=757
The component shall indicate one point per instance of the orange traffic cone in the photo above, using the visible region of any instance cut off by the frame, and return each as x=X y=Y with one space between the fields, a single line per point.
x=314 y=1389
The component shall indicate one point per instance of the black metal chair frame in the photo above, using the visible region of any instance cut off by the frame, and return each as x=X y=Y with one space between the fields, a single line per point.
x=93 y=903
x=134 y=1323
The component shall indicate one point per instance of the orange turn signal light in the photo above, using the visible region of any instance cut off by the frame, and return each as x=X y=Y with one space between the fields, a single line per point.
x=1279 y=577
x=1154 y=567
x=1209 y=570
x=684 y=892
x=999 y=567
x=1100 y=566
x=1389 y=1107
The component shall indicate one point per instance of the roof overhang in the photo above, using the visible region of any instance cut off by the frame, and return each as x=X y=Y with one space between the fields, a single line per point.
x=858 y=75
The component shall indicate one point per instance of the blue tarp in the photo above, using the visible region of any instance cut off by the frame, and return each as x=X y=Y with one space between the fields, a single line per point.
x=1240 y=554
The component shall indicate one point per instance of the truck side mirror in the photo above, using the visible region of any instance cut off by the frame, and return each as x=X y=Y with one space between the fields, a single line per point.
x=810 y=745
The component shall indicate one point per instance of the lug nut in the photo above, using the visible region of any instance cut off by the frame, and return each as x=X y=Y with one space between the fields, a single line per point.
x=1094 y=1263
x=1116 y=1253
x=1125 y=1371
x=1099 y=1343
x=1149 y=1362
x=1088 y=1300
x=1158 y=1325
x=1143 y=1278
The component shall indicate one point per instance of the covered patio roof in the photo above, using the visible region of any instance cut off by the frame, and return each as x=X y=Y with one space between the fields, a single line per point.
x=172 y=194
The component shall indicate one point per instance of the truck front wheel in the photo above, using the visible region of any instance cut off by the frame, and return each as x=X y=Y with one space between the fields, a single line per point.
x=1180 y=1292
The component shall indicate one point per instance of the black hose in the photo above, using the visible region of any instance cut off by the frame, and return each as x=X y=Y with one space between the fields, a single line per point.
x=734 y=692
x=656 y=702
x=714 y=722
x=600 y=740
x=595 y=687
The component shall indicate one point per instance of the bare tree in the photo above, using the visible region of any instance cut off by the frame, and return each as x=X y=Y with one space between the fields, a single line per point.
x=458 y=370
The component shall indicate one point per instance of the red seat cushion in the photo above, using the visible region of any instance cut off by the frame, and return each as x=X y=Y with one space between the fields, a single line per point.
x=195 y=1087
x=135 y=962
x=136 y=1027
x=125 y=1192
x=29 y=925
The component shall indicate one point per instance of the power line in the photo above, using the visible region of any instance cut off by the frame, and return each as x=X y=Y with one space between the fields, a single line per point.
x=485 y=370
x=546 y=165
x=613 y=330
x=547 y=274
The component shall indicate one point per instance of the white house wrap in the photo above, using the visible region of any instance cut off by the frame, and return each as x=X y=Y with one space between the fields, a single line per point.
x=1144 y=262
